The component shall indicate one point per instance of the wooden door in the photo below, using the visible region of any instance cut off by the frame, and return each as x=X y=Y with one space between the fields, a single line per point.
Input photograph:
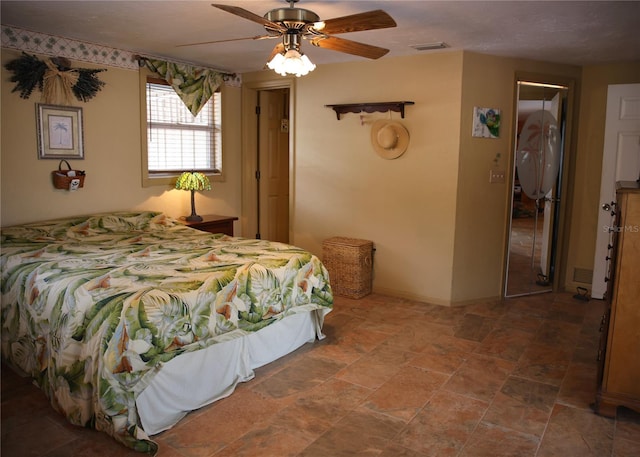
x=273 y=165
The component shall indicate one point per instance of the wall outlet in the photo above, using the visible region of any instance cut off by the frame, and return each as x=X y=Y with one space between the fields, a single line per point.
x=496 y=176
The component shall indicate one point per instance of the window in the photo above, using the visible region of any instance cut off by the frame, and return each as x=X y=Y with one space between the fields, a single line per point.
x=177 y=140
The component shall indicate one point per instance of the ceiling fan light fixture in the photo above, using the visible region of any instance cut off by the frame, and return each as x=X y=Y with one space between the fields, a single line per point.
x=291 y=62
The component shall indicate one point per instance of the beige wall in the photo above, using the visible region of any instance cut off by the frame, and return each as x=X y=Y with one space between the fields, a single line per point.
x=439 y=227
x=483 y=208
x=112 y=157
x=405 y=206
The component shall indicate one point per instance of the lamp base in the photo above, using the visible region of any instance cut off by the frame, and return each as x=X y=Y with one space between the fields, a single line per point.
x=193 y=217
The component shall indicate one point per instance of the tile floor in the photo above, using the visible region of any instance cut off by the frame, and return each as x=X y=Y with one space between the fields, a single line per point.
x=393 y=378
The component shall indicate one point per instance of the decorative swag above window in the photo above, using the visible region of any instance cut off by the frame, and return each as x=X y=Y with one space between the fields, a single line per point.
x=194 y=85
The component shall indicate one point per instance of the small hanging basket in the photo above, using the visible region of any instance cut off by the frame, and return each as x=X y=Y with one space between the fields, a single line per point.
x=67 y=179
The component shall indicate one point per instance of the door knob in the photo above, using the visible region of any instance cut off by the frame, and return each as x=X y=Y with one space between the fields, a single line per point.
x=608 y=206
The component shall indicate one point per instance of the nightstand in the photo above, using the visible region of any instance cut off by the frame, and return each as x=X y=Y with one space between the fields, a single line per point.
x=213 y=223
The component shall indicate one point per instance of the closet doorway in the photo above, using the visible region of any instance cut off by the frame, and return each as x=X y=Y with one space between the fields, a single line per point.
x=267 y=159
x=273 y=165
x=537 y=185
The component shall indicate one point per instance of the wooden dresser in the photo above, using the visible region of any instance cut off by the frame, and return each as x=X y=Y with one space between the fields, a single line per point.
x=619 y=355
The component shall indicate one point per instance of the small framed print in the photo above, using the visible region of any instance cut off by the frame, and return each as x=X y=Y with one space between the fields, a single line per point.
x=59 y=132
x=486 y=122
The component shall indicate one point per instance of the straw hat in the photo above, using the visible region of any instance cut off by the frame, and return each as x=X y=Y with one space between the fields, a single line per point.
x=390 y=139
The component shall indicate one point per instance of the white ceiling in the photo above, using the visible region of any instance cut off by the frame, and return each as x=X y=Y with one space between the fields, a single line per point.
x=571 y=32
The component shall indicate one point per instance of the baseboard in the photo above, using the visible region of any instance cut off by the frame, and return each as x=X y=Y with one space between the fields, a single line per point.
x=410 y=296
x=433 y=300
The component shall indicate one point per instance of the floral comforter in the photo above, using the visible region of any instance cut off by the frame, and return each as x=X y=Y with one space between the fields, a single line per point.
x=93 y=306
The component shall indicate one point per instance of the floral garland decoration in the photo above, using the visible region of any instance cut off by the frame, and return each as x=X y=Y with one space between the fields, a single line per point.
x=54 y=77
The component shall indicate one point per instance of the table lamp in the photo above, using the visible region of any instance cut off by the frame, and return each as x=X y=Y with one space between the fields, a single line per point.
x=193 y=180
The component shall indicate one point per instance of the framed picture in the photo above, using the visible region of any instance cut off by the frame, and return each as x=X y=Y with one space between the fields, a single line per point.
x=59 y=132
x=486 y=122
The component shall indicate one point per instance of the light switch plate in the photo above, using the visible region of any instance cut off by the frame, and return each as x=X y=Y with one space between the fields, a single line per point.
x=496 y=176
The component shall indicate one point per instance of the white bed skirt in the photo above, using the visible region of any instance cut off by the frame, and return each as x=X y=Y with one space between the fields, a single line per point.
x=198 y=378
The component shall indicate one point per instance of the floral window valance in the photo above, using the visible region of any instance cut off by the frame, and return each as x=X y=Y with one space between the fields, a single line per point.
x=194 y=85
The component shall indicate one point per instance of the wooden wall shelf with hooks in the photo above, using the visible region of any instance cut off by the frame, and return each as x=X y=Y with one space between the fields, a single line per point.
x=379 y=107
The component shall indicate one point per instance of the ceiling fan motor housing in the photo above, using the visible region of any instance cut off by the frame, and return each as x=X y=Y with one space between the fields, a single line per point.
x=292 y=18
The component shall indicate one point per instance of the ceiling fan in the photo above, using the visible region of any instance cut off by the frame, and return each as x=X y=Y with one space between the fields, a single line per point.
x=293 y=24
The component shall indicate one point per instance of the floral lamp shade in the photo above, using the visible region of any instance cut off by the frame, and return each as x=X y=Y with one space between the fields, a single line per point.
x=193 y=180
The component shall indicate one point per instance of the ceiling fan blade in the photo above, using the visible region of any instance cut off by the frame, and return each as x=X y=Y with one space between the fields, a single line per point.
x=349 y=47
x=241 y=12
x=370 y=20
x=259 y=37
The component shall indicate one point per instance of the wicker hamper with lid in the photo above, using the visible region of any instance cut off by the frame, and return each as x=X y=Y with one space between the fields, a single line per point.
x=350 y=265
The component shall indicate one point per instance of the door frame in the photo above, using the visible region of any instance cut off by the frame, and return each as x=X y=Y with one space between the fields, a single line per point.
x=249 y=153
x=568 y=176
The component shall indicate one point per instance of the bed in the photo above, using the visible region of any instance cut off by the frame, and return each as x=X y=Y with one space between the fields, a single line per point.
x=128 y=321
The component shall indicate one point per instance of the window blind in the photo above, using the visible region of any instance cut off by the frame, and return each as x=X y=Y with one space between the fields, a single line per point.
x=176 y=139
